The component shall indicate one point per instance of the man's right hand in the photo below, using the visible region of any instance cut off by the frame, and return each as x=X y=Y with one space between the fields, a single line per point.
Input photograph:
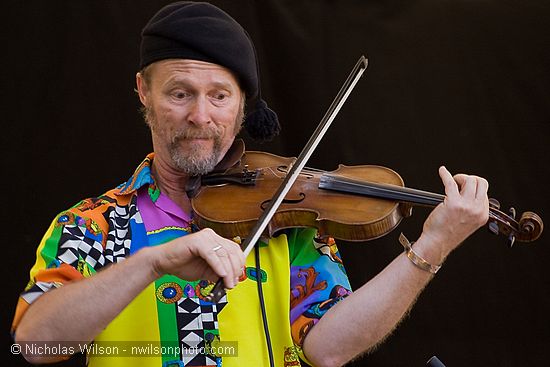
x=200 y=255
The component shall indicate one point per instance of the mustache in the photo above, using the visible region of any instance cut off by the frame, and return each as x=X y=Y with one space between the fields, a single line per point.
x=192 y=133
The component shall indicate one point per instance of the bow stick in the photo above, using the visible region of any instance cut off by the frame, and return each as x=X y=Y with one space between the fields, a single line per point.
x=218 y=291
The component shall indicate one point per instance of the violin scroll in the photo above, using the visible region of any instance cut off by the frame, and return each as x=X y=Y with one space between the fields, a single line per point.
x=527 y=229
x=530 y=226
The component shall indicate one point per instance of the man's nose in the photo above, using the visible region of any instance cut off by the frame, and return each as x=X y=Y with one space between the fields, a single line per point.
x=199 y=112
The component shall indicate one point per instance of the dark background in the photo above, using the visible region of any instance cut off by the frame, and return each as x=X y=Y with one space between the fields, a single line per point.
x=460 y=83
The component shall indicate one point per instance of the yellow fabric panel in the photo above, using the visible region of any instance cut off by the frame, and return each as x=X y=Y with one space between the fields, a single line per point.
x=138 y=322
x=243 y=310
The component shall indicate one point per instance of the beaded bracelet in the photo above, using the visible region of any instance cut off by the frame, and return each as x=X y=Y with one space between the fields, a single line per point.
x=415 y=259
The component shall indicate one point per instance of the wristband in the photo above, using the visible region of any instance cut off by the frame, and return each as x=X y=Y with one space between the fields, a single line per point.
x=415 y=259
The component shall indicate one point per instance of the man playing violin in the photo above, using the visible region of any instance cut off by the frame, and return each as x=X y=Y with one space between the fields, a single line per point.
x=131 y=267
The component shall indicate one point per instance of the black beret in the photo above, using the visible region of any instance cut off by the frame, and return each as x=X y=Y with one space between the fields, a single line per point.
x=201 y=31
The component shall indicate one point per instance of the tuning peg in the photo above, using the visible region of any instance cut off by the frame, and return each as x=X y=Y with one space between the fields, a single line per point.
x=494 y=203
x=511 y=240
x=512 y=212
x=493 y=227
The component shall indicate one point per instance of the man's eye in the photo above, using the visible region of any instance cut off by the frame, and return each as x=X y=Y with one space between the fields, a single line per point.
x=220 y=96
x=179 y=94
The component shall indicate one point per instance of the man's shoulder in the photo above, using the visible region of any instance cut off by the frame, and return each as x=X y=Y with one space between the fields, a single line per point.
x=119 y=196
x=103 y=202
x=93 y=213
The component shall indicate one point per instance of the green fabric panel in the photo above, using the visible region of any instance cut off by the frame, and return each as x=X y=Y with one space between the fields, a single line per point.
x=301 y=255
x=167 y=320
x=49 y=251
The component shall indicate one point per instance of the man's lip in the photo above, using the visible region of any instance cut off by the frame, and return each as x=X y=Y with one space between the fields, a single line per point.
x=199 y=138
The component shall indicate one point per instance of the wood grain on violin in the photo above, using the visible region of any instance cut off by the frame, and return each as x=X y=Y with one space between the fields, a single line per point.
x=354 y=203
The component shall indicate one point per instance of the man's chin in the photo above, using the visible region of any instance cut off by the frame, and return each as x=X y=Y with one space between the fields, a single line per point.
x=195 y=160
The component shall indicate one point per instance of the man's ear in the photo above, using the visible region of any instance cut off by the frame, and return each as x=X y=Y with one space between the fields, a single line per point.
x=142 y=88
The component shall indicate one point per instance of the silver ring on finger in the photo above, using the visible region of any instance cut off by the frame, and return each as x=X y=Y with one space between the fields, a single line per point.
x=220 y=253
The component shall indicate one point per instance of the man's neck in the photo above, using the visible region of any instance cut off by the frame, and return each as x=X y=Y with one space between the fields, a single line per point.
x=172 y=183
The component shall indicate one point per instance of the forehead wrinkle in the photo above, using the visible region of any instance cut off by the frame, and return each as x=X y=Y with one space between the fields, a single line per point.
x=186 y=82
x=178 y=80
x=183 y=72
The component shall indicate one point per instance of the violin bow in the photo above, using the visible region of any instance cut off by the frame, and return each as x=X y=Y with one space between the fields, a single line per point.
x=218 y=290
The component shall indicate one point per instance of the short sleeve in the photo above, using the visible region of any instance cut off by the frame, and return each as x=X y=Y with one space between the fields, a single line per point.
x=318 y=281
x=62 y=256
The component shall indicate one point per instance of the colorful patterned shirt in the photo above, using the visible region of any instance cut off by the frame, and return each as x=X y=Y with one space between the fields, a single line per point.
x=170 y=323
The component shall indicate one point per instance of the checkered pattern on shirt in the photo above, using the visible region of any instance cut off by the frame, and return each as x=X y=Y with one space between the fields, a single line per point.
x=119 y=237
x=76 y=242
x=195 y=319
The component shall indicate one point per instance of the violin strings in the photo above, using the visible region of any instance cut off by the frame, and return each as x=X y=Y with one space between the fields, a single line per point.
x=408 y=192
x=344 y=182
x=392 y=191
x=316 y=170
x=384 y=188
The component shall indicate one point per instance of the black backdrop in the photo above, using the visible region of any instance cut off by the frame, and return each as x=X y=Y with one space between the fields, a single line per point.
x=461 y=83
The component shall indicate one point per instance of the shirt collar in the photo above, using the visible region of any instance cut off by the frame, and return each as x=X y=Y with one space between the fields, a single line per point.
x=142 y=176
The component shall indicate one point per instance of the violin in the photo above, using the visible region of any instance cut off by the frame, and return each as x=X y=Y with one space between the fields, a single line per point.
x=352 y=203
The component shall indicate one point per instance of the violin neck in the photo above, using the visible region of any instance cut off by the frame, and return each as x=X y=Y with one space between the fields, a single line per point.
x=377 y=190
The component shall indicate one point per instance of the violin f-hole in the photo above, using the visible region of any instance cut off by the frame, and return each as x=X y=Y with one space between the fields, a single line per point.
x=285 y=201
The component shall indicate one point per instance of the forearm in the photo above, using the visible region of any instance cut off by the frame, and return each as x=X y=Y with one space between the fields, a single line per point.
x=364 y=318
x=367 y=316
x=78 y=311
